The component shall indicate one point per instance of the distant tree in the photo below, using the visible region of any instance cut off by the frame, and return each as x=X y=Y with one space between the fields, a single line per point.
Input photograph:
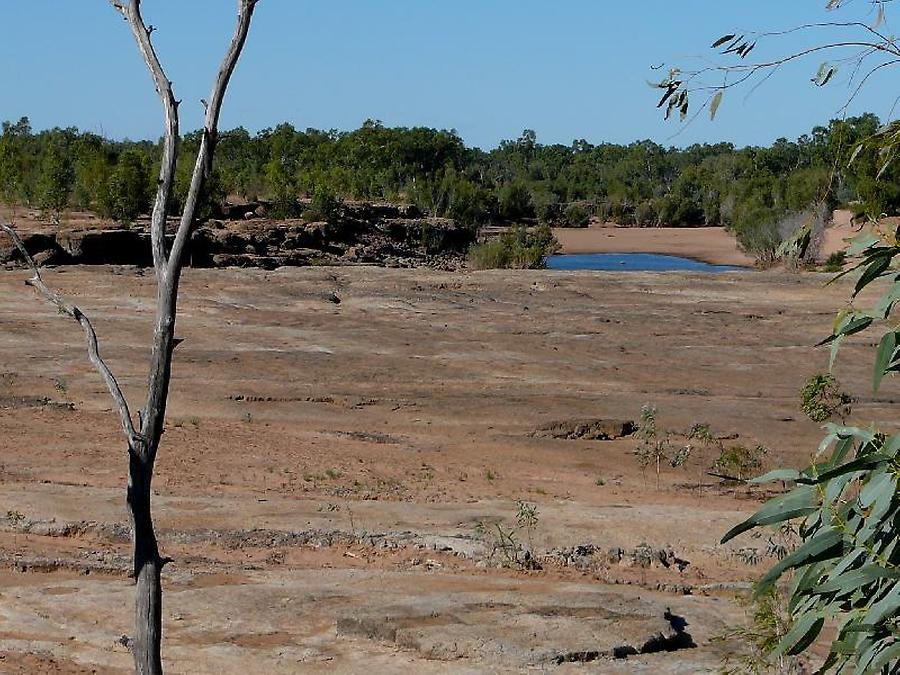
x=93 y=165
x=126 y=194
x=515 y=202
x=12 y=160
x=281 y=171
x=56 y=181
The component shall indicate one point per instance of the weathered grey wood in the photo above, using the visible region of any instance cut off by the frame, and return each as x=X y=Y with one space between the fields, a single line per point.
x=147 y=562
x=93 y=348
x=132 y=13
x=203 y=165
x=143 y=441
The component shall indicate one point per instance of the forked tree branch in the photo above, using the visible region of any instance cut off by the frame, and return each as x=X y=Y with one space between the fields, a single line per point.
x=203 y=165
x=70 y=310
x=132 y=12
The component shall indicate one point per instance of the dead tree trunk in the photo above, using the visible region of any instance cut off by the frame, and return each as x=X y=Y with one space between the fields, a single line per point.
x=144 y=440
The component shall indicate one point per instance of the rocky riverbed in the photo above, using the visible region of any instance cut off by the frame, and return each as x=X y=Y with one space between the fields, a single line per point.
x=337 y=477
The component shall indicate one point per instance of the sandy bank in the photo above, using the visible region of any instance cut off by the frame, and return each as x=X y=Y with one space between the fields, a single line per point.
x=710 y=244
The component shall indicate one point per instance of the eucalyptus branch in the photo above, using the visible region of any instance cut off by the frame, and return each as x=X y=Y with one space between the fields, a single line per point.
x=680 y=84
x=70 y=310
x=132 y=12
x=213 y=106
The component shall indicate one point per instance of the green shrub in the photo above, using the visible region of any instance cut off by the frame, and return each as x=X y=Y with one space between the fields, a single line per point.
x=835 y=262
x=769 y=622
x=56 y=180
x=737 y=463
x=515 y=202
x=516 y=248
x=126 y=194
x=821 y=398
x=577 y=215
x=547 y=210
x=324 y=206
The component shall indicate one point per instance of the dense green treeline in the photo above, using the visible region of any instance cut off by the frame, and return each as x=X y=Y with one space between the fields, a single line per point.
x=753 y=190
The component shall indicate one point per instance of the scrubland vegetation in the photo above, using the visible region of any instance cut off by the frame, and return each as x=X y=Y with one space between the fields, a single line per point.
x=753 y=191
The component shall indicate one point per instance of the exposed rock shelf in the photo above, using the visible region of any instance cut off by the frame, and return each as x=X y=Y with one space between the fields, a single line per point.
x=376 y=234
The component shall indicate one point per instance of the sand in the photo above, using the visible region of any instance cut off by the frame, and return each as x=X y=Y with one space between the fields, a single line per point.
x=709 y=244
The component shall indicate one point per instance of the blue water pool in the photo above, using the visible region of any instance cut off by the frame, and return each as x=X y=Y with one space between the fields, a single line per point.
x=634 y=262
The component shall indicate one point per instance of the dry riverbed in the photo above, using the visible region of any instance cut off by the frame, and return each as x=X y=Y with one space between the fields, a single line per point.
x=333 y=474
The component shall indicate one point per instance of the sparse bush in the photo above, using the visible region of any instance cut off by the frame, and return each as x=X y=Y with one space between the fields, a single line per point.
x=506 y=542
x=702 y=435
x=516 y=248
x=835 y=262
x=738 y=463
x=770 y=621
x=324 y=207
x=577 y=215
x=656 y=446
x=515 y=202
x=821 y=398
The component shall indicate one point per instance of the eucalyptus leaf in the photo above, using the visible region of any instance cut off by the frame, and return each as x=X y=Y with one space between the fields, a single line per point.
x=884 y=356
x=798 y=503
x=823 y=545
x=714 y=105
x=802 y=634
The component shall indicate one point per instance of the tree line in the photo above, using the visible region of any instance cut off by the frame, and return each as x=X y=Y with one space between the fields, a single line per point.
x=750 y=190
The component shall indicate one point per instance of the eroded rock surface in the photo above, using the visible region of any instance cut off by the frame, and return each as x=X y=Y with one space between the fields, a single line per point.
x=592 y=429
x=377 y=234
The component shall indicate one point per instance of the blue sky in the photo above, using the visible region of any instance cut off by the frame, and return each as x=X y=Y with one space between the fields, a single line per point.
x=488 y=68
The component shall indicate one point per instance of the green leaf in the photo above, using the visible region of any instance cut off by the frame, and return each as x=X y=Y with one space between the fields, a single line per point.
x=890 y=655
x=884 y=357
x=843 y=431
x=850 y=581
x=802 y=634
x=787 y=475
x=862 y=242
x=858 y=464
x=891 y=445
x=875 y=269
x=722 y=40
x=887 y=301
x=887 y=606
x=797 y=503
x=833 y=352
x=849 y=325
x=881 y=483
x=714 y=105
x=825 y=545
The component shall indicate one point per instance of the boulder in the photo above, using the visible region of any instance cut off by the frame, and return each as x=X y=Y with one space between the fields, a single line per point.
x=593 y=429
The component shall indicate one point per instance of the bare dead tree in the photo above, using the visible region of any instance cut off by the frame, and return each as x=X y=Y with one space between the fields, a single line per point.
x=143 y=438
